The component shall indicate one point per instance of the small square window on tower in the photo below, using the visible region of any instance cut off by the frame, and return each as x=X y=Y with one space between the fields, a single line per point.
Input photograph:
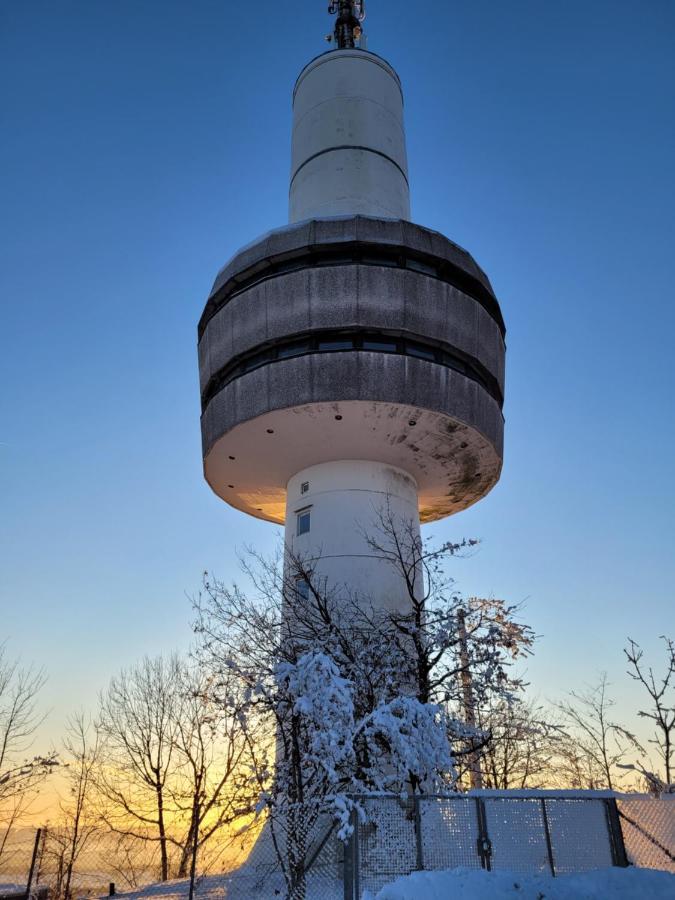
x=303 y=522
x=302 y=588
x=304 y=487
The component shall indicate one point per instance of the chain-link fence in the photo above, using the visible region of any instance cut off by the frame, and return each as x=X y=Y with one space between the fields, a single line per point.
x=58 y=863
x=648 y=828
x=19 y=860
x=522 y=831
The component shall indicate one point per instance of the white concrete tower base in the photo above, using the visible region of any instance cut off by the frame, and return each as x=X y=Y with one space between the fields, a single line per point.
x=346 y=501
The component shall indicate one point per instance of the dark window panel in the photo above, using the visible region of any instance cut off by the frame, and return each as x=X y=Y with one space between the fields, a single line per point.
x=336 y=345
x=420 y=352
x=381 y=346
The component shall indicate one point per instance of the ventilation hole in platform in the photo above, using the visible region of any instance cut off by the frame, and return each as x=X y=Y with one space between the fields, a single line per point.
x=230 y=485
x=230 y=457
x=270 y=430
x=338 y=418
x=412 y=423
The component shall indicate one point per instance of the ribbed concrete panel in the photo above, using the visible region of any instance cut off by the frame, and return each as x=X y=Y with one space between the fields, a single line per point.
x=349 y=234
x=351 y=296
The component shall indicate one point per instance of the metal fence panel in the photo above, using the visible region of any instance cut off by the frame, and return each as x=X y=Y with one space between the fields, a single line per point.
x=261 y=874
x=579 y=835
x=387 y=842
x=648 y=827
x=516 y=831
x=449 y=831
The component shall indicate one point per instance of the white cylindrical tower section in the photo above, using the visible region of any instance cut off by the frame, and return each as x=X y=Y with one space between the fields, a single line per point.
x=348 y=148
x=332 y=510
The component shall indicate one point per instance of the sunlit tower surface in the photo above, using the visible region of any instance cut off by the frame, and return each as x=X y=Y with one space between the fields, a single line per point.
x=351 y=358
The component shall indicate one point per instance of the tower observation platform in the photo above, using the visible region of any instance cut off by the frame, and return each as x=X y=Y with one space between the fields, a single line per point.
x=351 y=355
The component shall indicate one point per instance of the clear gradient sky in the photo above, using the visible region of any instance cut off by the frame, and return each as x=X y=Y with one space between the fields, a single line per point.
x=144 y=142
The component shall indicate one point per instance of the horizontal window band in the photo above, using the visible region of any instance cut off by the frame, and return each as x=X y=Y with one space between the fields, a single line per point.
x=354 y=253
x=347 y=147
x=340 y=341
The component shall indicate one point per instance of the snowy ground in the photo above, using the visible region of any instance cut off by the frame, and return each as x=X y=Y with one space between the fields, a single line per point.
x=476 y=884
x=459 y=884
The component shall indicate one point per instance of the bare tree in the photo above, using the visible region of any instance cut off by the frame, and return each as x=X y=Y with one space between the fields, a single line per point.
x=138 y=725
x=170 y=762
x=207 y=790
x=20 y=775
x=524 y=741
x=661 y=695
x=77 y=825
x=457 y=648
x=598 y=744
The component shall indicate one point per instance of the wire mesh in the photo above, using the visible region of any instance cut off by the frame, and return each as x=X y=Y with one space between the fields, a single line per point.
x=387 y=842
x=517 y=834
x=305 y=866
x=449 y=835
x=16 y=854
x=579 y=835
x=648 y=826
x=87 y=865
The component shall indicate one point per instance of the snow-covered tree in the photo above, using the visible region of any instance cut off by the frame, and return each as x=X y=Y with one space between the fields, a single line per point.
x=456 y=651
x=344 y=697
x=326 y=713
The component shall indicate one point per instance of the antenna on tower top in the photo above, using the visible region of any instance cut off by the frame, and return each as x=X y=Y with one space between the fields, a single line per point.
x=350 y=14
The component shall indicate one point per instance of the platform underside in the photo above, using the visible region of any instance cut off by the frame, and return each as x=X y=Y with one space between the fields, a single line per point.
x=453 y=464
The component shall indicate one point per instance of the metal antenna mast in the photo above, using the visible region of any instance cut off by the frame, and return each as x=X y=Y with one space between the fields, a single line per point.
x=350 y=14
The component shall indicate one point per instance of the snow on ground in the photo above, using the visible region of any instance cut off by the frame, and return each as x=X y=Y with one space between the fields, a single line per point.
x=458 y=884
x=477 y=884
x=238 y=886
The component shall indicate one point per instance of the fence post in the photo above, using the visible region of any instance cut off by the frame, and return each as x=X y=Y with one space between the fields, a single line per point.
x=356 y=850
x=350 y=869
x=31 y=871
x=547 y=832
x=418 y=832
x=484 y=844
x=616 y=841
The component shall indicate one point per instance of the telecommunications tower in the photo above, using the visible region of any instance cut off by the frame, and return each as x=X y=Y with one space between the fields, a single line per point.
x=351 y=357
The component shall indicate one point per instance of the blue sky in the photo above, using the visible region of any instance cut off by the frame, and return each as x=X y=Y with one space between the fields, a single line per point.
x=144 y=142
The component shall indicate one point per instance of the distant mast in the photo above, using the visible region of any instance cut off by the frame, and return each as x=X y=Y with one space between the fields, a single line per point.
x=349 y=14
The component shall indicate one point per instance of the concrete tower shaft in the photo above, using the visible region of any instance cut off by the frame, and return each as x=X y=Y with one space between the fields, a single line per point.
x=351 y=358
x=348 y=153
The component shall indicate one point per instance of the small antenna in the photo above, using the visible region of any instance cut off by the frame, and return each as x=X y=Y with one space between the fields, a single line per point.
x=350 y=14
